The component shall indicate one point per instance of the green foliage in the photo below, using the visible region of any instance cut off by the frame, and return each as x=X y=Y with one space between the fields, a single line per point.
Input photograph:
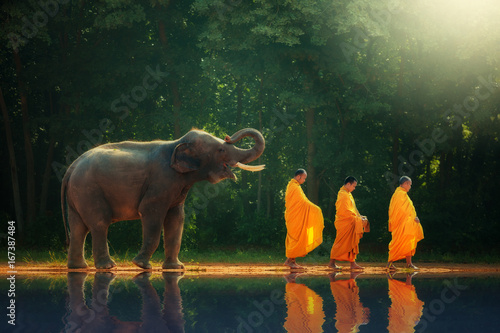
x=46 y=233
x=125 y=236
x=378 y=78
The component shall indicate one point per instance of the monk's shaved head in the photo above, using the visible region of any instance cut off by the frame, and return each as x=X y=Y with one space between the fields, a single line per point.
x=404 y=179
x=350 y=180
x=300 y=172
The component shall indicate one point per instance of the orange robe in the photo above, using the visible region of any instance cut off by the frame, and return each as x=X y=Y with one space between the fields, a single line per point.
x=406 y=308
x=350 y=311
x=349 y=228
x=304 y=222
x=405 y=231
x=304 y=309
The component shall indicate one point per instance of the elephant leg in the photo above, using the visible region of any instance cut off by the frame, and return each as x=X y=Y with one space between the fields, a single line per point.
x=100 y=249
x=78 y=233
x=95 y=213
x=151 y=231
x=172 y=236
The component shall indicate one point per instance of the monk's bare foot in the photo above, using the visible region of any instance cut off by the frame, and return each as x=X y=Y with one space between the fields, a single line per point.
x=356 y=266
x=334 y=266
x=292 y=264
x=412 y=266
x=354 y=274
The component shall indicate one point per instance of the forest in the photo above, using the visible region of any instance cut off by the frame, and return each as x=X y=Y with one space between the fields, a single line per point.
x=371 y=89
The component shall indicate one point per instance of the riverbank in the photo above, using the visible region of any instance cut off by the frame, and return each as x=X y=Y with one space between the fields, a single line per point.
x=249 y=261
x=258 y=269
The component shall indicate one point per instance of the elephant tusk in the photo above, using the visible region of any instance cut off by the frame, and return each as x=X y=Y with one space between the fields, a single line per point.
x=252 y=168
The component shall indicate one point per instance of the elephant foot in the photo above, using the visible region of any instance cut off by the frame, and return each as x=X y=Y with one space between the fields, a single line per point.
x=77 y=264
x=105 y=264
x=173 y=265
x=142 y=263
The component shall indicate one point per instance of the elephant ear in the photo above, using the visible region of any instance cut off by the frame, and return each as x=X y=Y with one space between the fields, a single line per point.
x=184 y=158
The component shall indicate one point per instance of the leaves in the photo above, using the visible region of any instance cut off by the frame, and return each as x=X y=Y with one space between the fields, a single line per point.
x=379 y=77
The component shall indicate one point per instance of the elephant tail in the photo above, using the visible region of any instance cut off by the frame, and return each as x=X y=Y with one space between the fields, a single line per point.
x=64 y=205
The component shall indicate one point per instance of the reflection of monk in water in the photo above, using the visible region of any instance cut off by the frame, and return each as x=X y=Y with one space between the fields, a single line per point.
x=406 y=308
x=304 y=308
x=350 y=311
x=96 y=318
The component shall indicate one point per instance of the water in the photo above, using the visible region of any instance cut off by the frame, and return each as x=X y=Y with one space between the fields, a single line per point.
x=104 y=302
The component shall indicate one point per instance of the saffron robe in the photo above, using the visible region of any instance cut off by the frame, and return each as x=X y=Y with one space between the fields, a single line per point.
x=349 y=228
x=406 y=232
x=304 y=309
x=304 y=222
x=406 y=308
x=350 y=311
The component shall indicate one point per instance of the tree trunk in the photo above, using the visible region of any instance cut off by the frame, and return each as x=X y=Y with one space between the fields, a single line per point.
x=312 y=179
x=44 y=194
x=239 y=105
x=343 y=122
x=177 y=101
x=177 y=109
x=261 y=100
x=330 y=213
x=395 y=149
x=442 y=171
x=13 y=165
x=259 y=190
x=46 y=177
x=445 y=169
x=269 y=203
x=30 y=161
x=398 y=112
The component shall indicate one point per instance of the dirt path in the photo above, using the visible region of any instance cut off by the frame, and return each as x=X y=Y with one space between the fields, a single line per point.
x=221 y=269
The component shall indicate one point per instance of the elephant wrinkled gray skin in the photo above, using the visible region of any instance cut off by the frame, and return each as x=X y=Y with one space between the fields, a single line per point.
x=146 y=180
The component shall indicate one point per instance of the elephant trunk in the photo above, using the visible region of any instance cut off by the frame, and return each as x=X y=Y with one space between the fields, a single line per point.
x=247 y=155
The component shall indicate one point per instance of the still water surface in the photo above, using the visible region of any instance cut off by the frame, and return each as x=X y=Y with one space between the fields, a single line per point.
x=103 y=302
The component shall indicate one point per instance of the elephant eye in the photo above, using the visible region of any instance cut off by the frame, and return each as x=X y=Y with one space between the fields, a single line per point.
x=221 y=150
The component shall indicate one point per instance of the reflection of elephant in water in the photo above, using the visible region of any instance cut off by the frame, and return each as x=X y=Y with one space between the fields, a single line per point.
x=146 y=180
x=96 y=318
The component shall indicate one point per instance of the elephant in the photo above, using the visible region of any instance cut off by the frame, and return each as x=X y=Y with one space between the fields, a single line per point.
x=145 y=180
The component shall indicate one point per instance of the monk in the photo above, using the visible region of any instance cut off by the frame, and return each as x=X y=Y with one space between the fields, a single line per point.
x=304 y=221
x=350 y=226
x=404 y=225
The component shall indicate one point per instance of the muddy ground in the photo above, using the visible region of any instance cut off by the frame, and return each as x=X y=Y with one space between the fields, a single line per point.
x=261 y=269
